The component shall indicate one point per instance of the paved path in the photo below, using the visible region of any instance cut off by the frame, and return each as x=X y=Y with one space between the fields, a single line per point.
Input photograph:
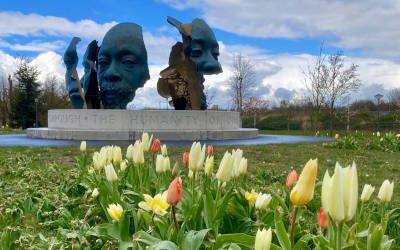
x=23 y=140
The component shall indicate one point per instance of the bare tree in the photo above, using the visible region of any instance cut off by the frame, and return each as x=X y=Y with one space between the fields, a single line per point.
x=394 y=97
x=253 y=106
x=210 y=95
x=242 y=81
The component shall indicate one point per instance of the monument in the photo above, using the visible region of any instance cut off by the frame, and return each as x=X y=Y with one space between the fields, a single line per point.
x=116 y=69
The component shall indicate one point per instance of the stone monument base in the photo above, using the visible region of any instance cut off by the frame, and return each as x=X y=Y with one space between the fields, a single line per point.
x=128 y=125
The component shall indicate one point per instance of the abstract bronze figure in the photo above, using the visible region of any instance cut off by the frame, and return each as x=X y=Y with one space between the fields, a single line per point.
x=189 y=60
x=113 y=72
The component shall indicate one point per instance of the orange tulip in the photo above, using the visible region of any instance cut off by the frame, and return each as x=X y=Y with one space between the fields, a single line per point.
x=185 y=158
x=210 y=149
x=323 y=219
x=291 y=179
x=174 y=191
x=155 y=146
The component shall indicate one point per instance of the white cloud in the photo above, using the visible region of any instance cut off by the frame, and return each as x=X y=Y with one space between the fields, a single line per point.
x=371 y=25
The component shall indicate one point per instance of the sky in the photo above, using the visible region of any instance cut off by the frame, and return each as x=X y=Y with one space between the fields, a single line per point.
x=280 y=38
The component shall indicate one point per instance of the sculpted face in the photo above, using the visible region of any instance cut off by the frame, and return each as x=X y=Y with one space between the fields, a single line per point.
x=123 y=65
x=203 y=49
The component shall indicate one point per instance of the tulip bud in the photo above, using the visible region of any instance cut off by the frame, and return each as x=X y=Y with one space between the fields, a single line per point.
x=174 y=191
x=129 y=152
x=251 y=197
x=185 y=158
x=386 y=191
x=323 y=219
x=196 y=156
x=242 y=166
x=210 y=149
x=115 y=211
x=175 y=169
x=123 y=165
x=138 y=155
x=237 y=156
x=96 y=161
x=263 y=239
x=111 y=175
x=291 y=179
x=83 y=146
x=263 y=201
x=164 y=150
x=303 y=191
x=155 y=146
x=367 y=192
x=117 y=155
x=146 y=141
x=209 y=166
x=95 y=193
x=224 y=172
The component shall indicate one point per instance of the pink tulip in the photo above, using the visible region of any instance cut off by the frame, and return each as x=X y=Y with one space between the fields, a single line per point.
x=174 y=191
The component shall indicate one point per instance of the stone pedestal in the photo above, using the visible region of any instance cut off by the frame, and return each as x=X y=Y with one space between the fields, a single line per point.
x=129 y=125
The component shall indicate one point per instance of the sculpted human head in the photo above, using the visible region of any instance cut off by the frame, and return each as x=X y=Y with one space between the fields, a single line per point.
x=123 y=65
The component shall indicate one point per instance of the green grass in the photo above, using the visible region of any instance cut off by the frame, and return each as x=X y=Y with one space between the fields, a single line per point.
x=29 y=175
x=6 y=131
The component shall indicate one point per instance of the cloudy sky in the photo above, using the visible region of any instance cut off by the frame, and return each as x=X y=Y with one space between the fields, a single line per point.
x=280 y=37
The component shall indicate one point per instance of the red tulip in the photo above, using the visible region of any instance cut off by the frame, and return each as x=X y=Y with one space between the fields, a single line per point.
x=185 y=158
x=323 y=219
x=291 y=179
x=174 y=191
x=155 y=146
x=210 y=149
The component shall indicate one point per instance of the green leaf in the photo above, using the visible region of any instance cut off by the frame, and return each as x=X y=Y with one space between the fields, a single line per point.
x=124 y=245
x=238 y=238
x=281 y=232
x=209 y=209
x=375 y=238
x=123 y=226
x=145 y=238
x=280 y=200
x=302 y=242
x=163 y=245
x=194 y=239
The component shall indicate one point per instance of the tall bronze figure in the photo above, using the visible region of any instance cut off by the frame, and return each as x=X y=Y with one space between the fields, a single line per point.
x=189 y=60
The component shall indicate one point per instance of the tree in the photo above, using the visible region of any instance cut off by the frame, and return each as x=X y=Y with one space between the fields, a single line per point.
x=24 y=95
x=254 y=105
x=328 y=81
x=394 y=97
x=242 y=81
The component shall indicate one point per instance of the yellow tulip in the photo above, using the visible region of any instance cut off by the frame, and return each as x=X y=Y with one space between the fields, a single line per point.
x=115 y=211
x=263 y=239
x=138 y=155
x=386 y=191
x=303 y=191
x=196 y=156
x=224 y=172
x=111 y=175
x=251 y=197
x=340 y=193
x=157 y=204
x=367 y=192
x=82 y=148
x=209 y=166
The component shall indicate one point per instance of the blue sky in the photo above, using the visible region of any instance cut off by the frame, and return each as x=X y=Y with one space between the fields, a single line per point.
x=280 y=37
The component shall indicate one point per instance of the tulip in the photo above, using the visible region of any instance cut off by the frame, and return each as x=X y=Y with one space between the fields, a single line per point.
x=95 y=193
x=157 y=204
x=251 y=197
x=129 y=152
x=162 y=164
x=190 y=174
x=174 y=191
x=138 y=155
x=111 y=175
x=367 y=192
x=124 y=165
x=96 y=161
x=337 y=136
x=291 y=179
x=155 y=146
x=146 y=141
x=263 y=201
x=340 y=193
x=378 y=134
x=303 y=191
x=82 y=148
x=323 y=219
x=210 y=149
x=209 y=166
x=237 y=156
x=117 y=155
x=164 y=150
x=185 y=158
x=263 y=239
x=242 y=166
x=386 y=191
x=196 y=156
x=224 y=172
x=115 y=211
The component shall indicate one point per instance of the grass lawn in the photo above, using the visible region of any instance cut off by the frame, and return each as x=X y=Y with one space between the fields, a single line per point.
x=29 y=174
x=6 y=131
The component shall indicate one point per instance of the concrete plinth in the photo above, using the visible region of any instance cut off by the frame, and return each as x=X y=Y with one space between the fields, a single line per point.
x=130 y=124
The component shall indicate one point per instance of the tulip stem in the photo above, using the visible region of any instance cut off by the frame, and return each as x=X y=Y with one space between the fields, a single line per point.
x=339 y=236
x=174 y=217
x=293 y=223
